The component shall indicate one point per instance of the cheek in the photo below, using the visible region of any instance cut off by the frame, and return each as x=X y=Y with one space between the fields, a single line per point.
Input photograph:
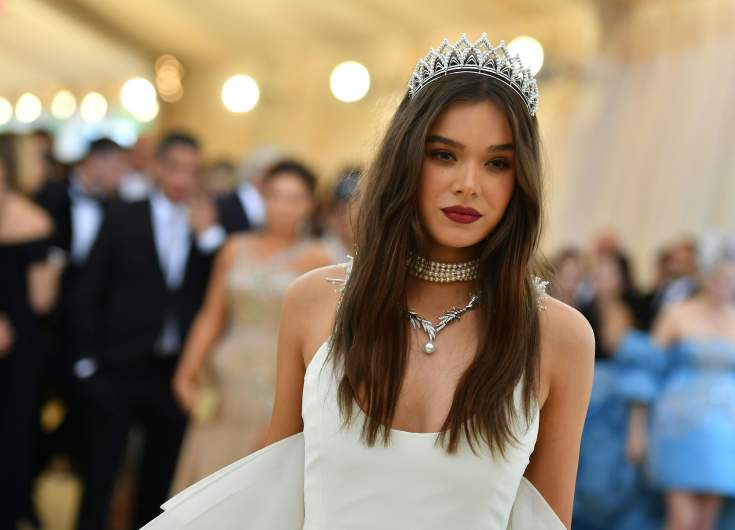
x=430 y=187
x=498 y=190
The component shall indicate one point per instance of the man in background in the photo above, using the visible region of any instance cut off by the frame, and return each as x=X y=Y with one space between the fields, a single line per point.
x=144 y=282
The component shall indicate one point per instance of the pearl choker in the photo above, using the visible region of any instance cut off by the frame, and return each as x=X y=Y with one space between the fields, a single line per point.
x=435 y=271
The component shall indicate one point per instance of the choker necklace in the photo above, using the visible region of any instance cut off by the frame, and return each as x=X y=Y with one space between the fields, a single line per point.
x=449 y=316
x=436 y=271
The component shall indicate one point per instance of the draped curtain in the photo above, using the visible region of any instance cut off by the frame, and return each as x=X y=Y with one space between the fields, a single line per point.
x=650 y=146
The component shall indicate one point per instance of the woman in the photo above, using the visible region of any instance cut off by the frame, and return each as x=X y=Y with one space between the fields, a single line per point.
x=28 y=288
x=692 y=439
x=568 y=276
x=612 y=493
x=238 y=324
x=338 y=219
x=409 y=424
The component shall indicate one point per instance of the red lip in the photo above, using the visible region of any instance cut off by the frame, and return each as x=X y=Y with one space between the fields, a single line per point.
x=462 y=214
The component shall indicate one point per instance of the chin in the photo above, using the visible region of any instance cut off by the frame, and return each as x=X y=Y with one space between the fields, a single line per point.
x=454 y=241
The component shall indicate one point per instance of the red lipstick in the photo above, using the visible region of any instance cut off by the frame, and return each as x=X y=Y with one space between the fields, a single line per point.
x=461 y=214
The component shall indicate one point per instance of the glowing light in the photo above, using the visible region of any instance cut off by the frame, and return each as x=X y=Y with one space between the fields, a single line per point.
x=240 y=93
x=6 y=111
x=28 y=108
x=93 y=108
x=530 y=50
x=148 y=114
x=169 y=72
x=350 y=81
x=138 y=96
x=63 y=105
x=168 y=62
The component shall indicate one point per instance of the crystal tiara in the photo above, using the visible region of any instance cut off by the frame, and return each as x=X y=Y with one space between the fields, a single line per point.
x=480 y=58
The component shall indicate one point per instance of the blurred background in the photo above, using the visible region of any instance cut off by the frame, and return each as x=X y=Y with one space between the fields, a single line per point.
x=634 y=91
x=636 y=114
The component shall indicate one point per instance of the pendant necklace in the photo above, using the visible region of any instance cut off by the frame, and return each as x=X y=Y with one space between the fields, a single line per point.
x=449 y=316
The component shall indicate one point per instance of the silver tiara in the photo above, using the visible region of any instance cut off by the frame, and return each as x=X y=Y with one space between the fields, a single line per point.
x=481 y=58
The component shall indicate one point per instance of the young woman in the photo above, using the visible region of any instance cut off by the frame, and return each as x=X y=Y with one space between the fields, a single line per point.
x=28 y=288
x=612 y=493
x=235 y=333
x=692 y=439
x=408 y=424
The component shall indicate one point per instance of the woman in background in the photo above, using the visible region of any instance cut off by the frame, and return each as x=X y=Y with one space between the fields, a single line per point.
x=339 y=218
x=28 y=287
x=568 y=275
x=611 y=492
x=233 y=339
x=692 y=440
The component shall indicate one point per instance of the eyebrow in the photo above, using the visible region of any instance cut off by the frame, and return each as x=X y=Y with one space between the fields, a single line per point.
x=437 y=138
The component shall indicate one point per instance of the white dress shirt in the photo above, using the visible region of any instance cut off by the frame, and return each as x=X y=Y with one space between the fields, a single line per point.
x=172 y=236
x=253 y=203
x=86 y=218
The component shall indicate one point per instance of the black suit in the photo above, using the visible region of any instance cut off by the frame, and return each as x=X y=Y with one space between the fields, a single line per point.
x=121 y=308
x=232 y=214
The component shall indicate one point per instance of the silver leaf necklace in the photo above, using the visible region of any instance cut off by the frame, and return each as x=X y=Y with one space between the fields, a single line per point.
x=449 y=316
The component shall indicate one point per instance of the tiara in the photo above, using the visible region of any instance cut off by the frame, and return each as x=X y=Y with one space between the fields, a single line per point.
x=481 y=58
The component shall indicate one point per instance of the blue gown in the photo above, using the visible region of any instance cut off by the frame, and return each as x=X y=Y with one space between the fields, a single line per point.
x=692 y=442
x=612 y=493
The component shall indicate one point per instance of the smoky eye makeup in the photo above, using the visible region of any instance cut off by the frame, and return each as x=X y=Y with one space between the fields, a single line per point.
x=441 y=155
x=500 y=163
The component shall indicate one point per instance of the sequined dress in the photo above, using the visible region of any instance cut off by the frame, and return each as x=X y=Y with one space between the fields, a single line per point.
x=242 y=369
x=692 y=444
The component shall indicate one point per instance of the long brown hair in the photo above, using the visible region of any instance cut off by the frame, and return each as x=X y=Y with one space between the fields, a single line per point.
x=370 y=335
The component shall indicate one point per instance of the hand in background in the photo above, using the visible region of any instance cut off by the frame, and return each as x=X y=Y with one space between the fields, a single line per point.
x=186 y=386
x=7 y=337
x=636 y=443
x=203 y=213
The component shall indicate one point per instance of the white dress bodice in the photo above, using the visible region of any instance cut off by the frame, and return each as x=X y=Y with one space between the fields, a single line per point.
x=412 y=483
x=327 y=478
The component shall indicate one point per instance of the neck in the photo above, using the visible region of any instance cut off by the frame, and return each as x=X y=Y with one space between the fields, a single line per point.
x=86 y=180
x=444 y=254
x=171 y=199
x=282 y=237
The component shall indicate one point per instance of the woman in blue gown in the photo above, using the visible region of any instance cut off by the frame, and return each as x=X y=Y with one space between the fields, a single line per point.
x=692 y=438
x=612 y=492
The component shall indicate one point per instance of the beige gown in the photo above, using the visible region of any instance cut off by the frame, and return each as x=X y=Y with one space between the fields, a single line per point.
x=240 y=371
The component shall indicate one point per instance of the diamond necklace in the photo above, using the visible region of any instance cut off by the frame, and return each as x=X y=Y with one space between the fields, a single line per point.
x=439 y=272
x=449 y=316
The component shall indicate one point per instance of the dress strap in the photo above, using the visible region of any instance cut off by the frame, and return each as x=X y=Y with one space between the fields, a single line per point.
x=541 y=286
x=341 y=283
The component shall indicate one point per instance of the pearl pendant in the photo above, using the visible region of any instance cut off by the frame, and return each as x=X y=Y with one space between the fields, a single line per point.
x=429 y=347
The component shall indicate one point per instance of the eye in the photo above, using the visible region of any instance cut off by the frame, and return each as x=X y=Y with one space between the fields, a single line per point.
x=498 y=163
x=444 y=156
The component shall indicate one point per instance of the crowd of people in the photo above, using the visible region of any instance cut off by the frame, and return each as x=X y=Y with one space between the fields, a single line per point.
x=657 y=449
x=139 y=288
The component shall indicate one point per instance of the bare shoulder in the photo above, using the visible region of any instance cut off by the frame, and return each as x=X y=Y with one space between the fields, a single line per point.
x=239 y=241
x=310 y=304
x=567 y=344
x=673 y=318
x=316 y=288
x=234 y=245
x=30 y=220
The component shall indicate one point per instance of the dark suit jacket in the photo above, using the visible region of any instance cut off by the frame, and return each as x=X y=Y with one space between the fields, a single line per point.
x=124 y=298
x=232 y=215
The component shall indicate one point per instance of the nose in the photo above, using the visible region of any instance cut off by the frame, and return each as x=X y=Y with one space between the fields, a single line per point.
x=467 y=181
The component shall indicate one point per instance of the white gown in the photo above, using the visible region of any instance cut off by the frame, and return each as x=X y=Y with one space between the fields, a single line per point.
x=326 y=478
